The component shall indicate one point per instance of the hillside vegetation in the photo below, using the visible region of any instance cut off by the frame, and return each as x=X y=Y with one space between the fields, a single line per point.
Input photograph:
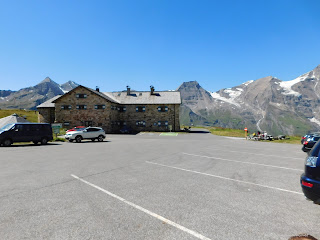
x=31 y=116
x=229 y=132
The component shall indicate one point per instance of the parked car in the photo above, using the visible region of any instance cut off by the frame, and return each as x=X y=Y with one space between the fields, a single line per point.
x=309 y=143
x=92 y=133
x=309 y=135
x=76 y=129
x=310 y=179
x=25 y=132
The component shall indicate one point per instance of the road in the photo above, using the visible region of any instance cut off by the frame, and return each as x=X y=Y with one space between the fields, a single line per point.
x=152 y=186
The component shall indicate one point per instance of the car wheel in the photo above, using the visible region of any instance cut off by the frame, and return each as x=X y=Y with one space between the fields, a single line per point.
x=70 y=140
x=100 y=138
x=78 y=139
x=44 y=141
x=7 y=143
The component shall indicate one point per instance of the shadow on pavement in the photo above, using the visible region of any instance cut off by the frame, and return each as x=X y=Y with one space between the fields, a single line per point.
x=88 y=141
x=197 y=130
x=31 y=145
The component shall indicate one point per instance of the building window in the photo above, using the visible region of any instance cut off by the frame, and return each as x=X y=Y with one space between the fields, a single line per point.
x=162 y=109
x=88 y=123
x=118 y=123
x=114 y=108
x=122 y=109
x=99 y=106
x=80 y=95
x=66 y=107
x=162 y=123
x=140 y=109
x=82 y=107
x=66 y=123
x=121 y=123
x=140 y=123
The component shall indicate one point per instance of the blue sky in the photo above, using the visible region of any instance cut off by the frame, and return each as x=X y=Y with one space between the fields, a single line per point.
x=112 y=44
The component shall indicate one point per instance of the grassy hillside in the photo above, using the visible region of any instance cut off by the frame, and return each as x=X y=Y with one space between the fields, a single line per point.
x=31 y=116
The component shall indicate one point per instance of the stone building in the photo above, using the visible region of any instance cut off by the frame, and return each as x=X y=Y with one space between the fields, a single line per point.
x=138 y=111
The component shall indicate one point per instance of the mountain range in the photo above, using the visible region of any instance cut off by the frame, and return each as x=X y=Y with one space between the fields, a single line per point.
x=266 y=104
x=30 y=97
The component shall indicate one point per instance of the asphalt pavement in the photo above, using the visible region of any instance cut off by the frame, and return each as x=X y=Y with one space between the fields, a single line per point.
x=152 y=186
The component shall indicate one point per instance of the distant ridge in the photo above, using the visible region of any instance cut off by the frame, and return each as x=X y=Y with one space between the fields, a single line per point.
x=266 y=104
x=30 y=97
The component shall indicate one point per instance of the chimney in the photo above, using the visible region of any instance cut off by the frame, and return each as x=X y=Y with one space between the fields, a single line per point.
x=128 y=91
x=151 y=90
x=97 y=89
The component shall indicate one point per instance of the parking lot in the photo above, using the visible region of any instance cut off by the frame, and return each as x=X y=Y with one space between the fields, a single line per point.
x=152 y=186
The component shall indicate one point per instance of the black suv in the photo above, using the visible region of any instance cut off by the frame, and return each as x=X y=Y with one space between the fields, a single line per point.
x=25 y=132
x=309 y=143
x=310 y=179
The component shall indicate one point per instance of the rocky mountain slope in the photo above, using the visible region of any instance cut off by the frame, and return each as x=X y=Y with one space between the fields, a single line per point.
x=29 y=98
x=267 y=104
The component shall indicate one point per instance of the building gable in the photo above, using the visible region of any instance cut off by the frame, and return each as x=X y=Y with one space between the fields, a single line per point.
x=83 y=92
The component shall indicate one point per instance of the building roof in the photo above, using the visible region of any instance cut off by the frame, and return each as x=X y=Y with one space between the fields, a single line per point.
x=135 y=97
x=14 y=118
x=105 y=96
x=160 y=97
x=49 y=103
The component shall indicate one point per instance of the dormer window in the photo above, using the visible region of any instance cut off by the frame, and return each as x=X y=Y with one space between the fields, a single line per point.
x=80 y=95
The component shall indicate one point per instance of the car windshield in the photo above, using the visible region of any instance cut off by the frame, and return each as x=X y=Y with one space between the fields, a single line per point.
x=315 y=150
x=6 y=127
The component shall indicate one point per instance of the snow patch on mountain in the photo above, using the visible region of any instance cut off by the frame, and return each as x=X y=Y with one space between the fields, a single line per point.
x=314 y=120
x=234 y=93
x=231 y=100
x=286 y=86
x=64 y=91
x=247 y=83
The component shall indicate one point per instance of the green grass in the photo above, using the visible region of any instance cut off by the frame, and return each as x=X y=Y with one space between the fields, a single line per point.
x=229 y=132
x=58 y=139
x=31 y=116
x=291 y=140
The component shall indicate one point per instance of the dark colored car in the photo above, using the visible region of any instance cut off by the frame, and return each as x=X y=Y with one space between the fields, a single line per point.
x=309 y=143
x=310 y=179
x=309 y=135
x=25 y=132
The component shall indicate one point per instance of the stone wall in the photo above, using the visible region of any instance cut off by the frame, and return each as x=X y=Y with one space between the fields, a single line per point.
x=46 y=115
x=149 y=118
x=83 y=117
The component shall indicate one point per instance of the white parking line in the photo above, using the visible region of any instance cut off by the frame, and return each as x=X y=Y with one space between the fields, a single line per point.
x=259 y=164
x=225 y=178
x=259 y=154
x=176 y=225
